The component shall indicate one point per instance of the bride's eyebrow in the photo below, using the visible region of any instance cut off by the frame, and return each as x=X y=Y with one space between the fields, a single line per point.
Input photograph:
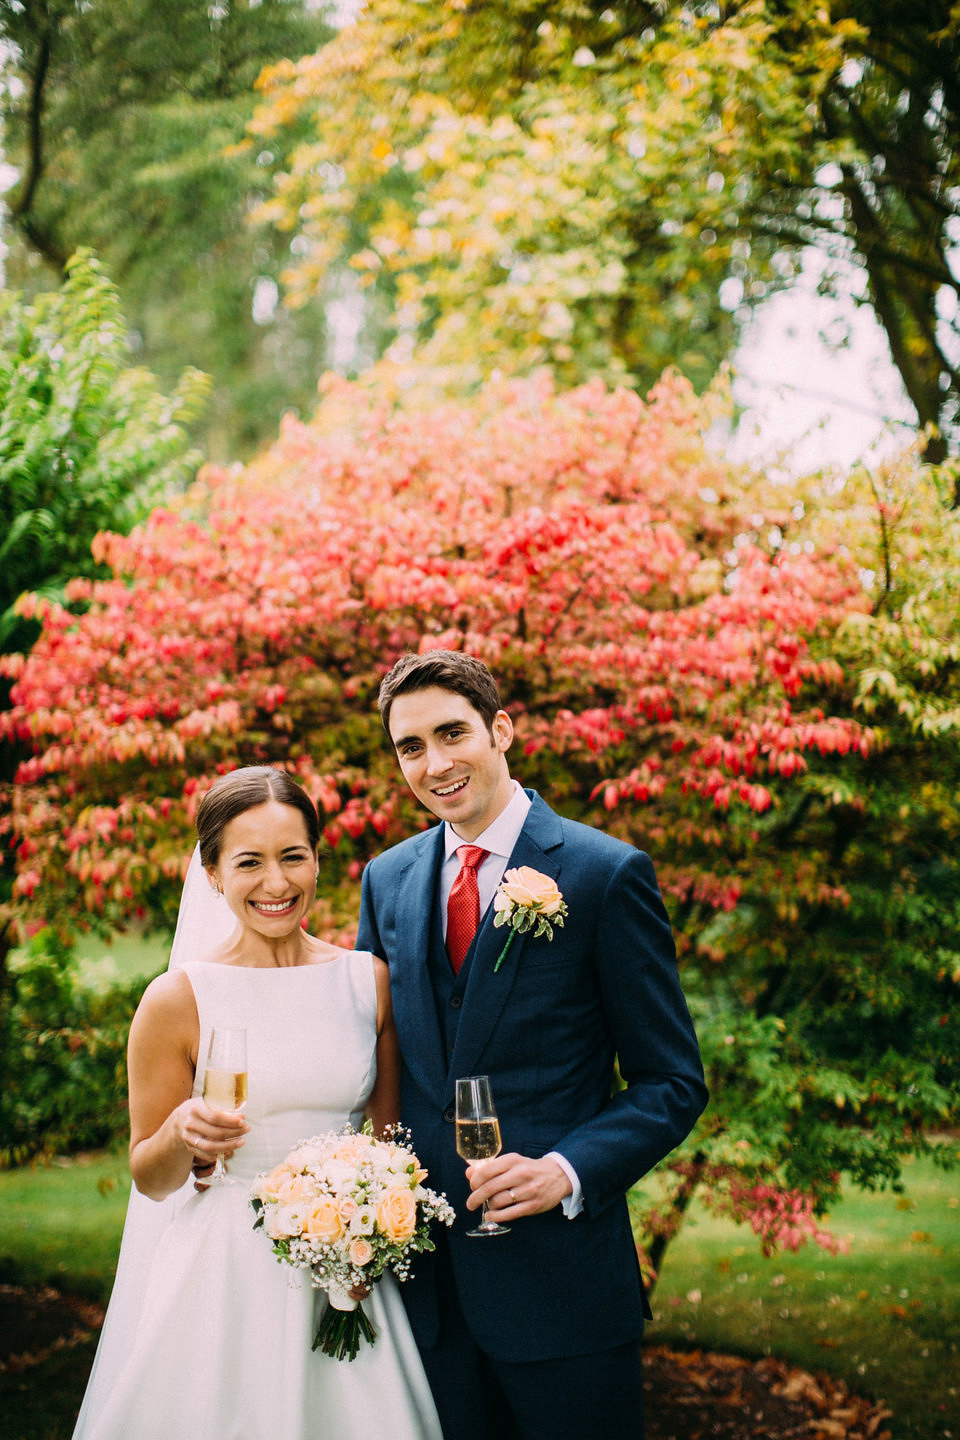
x=298 y=849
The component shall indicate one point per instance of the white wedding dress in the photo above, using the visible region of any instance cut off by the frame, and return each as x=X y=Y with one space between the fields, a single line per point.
x=218 y=1347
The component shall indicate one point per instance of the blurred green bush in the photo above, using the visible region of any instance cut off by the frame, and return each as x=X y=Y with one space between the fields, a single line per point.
x=63 y=1037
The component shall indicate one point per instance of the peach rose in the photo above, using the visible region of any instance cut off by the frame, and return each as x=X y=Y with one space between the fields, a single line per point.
x=349 y=1149
x=361 y=1252
x=322 y=1221
x=294 y=1189
x=346 y=1208
x=528 y=887
x=397 y=1214
x=270 y=1187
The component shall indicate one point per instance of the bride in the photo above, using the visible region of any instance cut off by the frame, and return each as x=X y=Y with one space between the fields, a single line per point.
x=206 y=1333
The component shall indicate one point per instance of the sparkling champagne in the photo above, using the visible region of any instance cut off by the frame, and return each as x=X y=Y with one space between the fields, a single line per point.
x=226 y=1089
x=478 y=1139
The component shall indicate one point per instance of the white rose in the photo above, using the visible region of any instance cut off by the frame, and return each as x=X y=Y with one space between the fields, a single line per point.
x=283 y=1221
x=363 y=1221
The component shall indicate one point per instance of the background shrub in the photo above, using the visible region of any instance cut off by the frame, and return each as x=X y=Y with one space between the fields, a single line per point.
x=64 y=1043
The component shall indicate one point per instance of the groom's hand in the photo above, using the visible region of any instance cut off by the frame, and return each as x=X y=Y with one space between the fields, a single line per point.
x=513 y=1186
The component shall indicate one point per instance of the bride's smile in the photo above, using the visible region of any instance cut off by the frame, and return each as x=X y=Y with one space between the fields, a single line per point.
x=267 y=869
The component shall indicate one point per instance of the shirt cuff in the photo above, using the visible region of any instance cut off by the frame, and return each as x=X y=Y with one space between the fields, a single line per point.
x=571 y=1204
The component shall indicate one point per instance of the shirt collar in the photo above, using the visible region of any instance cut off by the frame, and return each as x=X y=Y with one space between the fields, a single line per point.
x=501 y=834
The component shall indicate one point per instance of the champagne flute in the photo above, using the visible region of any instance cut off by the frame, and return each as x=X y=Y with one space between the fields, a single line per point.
x=225 y=1082
x=478 y=1135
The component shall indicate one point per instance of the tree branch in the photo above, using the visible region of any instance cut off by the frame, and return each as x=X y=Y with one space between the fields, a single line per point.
x=21 y=208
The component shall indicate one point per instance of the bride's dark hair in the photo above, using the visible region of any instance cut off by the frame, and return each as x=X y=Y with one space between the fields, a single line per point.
x=242 y=790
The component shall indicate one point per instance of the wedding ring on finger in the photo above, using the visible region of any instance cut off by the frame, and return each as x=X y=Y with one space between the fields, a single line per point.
x=513 y=1198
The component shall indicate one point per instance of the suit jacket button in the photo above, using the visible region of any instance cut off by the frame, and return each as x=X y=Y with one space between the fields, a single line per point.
x=450 y=1113
x=455 y=1002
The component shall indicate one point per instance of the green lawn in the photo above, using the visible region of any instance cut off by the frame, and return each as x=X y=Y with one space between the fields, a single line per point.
x=60 y=1226
x=131 y=952
x=60 y=1223
x=124 y=956
x=884 y=1317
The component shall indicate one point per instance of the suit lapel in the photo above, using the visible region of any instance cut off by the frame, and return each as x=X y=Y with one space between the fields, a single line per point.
x=539 y=845
x=414 y=1004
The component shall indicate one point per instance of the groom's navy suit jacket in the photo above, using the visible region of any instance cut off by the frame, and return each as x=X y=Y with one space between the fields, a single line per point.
x=545 y=1028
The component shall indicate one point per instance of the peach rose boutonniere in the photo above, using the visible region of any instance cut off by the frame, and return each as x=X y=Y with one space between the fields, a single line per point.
x=525 y=898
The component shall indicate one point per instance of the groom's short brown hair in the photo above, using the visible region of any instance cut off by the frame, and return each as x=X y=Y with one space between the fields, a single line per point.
x=448 y=670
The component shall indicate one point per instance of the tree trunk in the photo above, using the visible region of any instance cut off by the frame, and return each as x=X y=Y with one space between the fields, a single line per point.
x=681 y=1204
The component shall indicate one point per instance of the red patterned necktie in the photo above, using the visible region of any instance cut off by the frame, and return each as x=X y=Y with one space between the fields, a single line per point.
x=463 y=907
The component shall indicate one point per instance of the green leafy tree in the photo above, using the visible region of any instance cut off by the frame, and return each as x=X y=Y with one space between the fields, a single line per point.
x=63 y=1041
x=87 y=443
x=598 y=187
x=123 y=121
x=849 y=130
x=486 y=173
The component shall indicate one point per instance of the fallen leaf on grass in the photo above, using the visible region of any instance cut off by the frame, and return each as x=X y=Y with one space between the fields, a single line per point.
x=40 y=1323
x=800 y=1386
x=690 y=1395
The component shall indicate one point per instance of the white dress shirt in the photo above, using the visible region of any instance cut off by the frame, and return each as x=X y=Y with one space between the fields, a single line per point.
x=498 y=840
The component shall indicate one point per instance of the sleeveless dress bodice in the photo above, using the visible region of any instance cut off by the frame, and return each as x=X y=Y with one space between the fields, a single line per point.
x=221 y=1348
x=311 y=1038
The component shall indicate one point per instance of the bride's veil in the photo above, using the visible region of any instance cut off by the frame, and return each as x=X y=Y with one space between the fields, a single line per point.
x=204 y=921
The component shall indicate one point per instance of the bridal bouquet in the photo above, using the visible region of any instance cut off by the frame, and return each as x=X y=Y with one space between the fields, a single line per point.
x=345 y=1207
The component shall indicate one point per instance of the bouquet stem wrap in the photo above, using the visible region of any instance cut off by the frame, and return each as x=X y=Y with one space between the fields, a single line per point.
x=343 y=1325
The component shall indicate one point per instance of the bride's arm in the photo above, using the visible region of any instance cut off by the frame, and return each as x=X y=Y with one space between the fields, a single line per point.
x=169 y=1128
x=383 y=1107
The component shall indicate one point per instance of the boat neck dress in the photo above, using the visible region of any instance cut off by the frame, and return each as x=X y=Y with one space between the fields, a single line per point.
x=218 y=1345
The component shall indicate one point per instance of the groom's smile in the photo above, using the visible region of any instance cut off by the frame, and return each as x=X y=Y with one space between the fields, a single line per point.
x=444 y=790
x=455 y=765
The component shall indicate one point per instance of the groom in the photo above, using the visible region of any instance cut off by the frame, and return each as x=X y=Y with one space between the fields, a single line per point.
x=532 y=1335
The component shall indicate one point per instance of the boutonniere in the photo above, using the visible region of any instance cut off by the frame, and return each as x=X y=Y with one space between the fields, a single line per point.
x=526 y=898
